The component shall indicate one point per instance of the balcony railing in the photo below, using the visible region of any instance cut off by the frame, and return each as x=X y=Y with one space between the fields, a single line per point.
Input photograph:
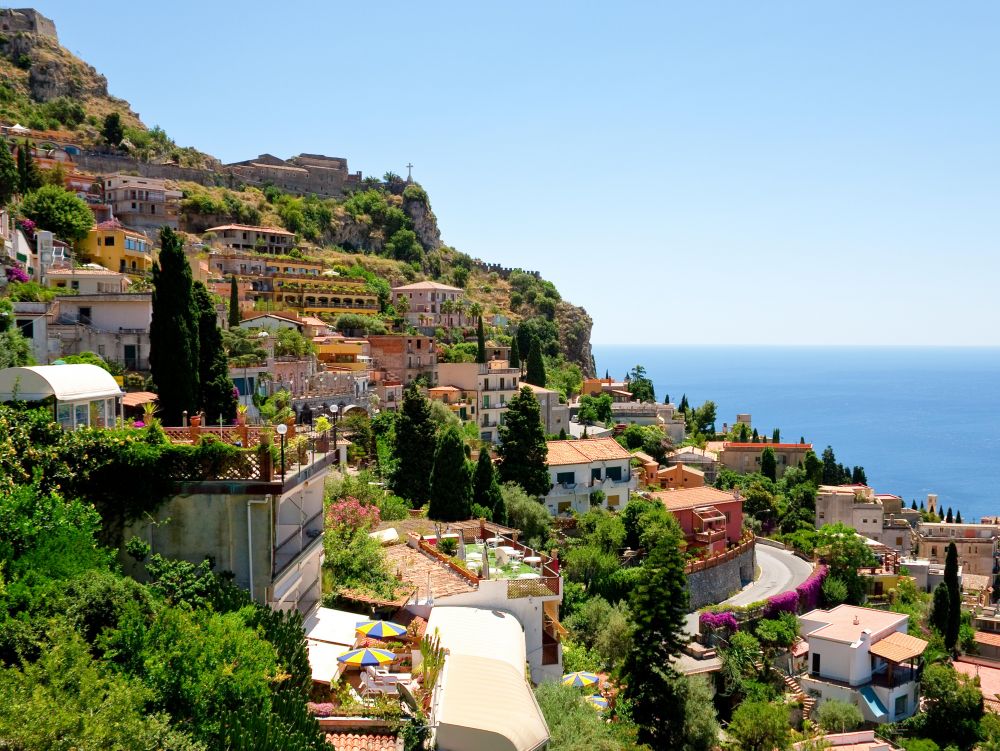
x=710 y=535
x=288 y=549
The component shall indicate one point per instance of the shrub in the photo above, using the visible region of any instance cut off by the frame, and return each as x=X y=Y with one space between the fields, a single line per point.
x=350 y=512
x=393 y=508
x=809 y=591
x=717 y=621
x=447 y=546
x=838 y=716
x=786 y=602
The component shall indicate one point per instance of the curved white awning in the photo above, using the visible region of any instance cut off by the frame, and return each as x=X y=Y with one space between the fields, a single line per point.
x=67 y=383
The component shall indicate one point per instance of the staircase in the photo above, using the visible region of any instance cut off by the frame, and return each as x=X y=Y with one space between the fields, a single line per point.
x=808 y=703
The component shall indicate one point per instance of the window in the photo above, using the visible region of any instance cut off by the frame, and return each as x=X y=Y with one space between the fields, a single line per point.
x=27 y=327
x=566 y=478
x=75 y=284
x=614 y=473
x=901 y=705
x=822 y=514
x=109 y=242
x=815 y=665
x=486 y=401
x=595 y=474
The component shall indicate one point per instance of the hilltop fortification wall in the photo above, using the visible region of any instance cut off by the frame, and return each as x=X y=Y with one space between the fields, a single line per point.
x=28 y=20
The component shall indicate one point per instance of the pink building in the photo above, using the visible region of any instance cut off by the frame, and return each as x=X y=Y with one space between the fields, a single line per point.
x=709 y=518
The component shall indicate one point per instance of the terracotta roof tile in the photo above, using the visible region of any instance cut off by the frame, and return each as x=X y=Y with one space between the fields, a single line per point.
x=585 y=451
x=988 y=638
x=414 y=568
x=349 y=741
x=898 y=647
x=251 y=228
x=692 y=497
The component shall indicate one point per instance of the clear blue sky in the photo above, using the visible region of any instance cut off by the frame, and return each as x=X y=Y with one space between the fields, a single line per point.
x=724 y=172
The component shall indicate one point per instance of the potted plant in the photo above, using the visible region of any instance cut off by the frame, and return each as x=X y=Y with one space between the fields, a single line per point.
x=322 y=426
x=241 y=414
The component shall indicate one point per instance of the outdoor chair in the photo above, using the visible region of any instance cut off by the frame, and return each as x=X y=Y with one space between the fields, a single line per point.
x=371 y=685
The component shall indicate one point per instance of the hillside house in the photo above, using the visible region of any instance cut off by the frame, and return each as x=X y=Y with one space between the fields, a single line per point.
x=709 y=518
x=579 y=469
x=142 y=203
x=745 y=457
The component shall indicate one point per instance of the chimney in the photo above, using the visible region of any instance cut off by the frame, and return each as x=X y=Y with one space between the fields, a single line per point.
x=857 y=621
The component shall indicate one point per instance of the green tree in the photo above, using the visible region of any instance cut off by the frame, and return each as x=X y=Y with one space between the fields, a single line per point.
x=173 y=332
x=523 y=452
x=515 y=352
x=526 y=514
x=760 y=726
x=813 y=467
x=10 y=181
x=659 y=605
x=701 y=727
x=703 y=419
x=415 y=435
x=112 y=130
x=845 y=553
x=838 y=716
x=451 y=481
x=54 y=208
x=15 y=349
x=217 y=398
x=480 y=342
x=769 y=464
x=640 y=385
x=404 y=246
x=535 y=373
x=776 y=436
x=234 y=303
x=858 y=476
x=29 y=178
x=953 y=705
x=573 y=724
x=486 y=488
x=941 y=608
x=954 y=597
x=594 y=409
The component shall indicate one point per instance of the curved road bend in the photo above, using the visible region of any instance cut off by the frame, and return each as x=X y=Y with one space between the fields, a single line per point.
x=780 y=571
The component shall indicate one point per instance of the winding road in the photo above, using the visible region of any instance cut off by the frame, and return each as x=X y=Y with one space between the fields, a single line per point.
x=780 y=571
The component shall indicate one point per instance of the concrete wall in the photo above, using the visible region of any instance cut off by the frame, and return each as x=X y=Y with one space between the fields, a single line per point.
x=715 y=584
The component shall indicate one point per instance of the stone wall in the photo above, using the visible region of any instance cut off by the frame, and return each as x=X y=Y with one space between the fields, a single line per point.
x=106 y=164
x=716 y=583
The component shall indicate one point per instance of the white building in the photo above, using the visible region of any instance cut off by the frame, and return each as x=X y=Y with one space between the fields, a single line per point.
x=579 y=469
x=864 y=657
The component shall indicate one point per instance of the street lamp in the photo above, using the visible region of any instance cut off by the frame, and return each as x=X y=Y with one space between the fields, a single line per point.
x=282 y=429
x=334 y=410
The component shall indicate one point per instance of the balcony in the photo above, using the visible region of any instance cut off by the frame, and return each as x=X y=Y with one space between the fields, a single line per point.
x=301 y=537
x=709 y=536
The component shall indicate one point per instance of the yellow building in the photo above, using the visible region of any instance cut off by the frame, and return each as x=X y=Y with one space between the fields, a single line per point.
x=118 y=249
x=341 y=353
x=322 y=295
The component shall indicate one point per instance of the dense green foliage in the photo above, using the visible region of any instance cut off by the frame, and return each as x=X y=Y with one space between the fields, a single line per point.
x=415 y=435
x=838 y=716
x=10 y=182
x=522 y=450
x=595 y=409
x=218 y=399
x=486 y=488
x=535 y=372
x=573 y=723
x=234 y=303
x=760 y=726
x=54 y=208
x=451 y=479
x=954 y=597
x=641 y=385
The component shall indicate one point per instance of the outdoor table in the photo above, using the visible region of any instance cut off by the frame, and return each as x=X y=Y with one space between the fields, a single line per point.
x=494 y=540
x=532 y=559
x=529 y=576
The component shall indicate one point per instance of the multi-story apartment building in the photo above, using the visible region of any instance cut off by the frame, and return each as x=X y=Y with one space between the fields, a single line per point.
x=403 y=358
x=878 y=516
x=710 y=519
x=977 y=545
x=142 y=202
x=491 y=384
x=431 y=305
x=579 y=469
x=119 y=249
x=745 y=457
x=271 y=240
x=87 y=280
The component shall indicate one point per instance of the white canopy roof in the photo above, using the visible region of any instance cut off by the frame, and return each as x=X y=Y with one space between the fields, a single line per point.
x=487 y=705
x=479 y=632
x=333 y=626
x=67 y=383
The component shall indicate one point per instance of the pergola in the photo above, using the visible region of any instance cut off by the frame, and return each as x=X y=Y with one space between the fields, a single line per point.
x=83 y=395
x=903 y=655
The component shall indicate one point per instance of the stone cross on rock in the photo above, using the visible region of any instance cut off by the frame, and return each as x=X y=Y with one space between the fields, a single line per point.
x=409 y=173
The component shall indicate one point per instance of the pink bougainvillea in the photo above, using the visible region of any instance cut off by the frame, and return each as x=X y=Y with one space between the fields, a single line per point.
x=27 y=227
x=786 y=602
x=809 y=590
x=15 y=274
x=350 y=512
x=717 y=621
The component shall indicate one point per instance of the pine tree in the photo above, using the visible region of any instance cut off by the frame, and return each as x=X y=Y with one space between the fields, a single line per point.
x=415 y=444
x=234 y=303
x=28 y=176
x=173 y=332
x=776 y=436
x=480 y=342
x=451 y=480
x=217 y=398
x=958 y=517
x=948 y=517
x=858 y=476
x=659 y=606
x=683 y=406
x=536 y=364
x=562 y=434
x=831 y=475
x=955 y=597
x=941 y=608
x=486 y=489
x=10 y=181
x=112 y=129
x=755 y=438
x=523 y=452
x=769 y=464
x=515 y=352
x=913 y=505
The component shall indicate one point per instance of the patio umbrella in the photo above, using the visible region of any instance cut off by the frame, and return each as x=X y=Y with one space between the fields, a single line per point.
x=367 y=657
x=598 y=701
x=580 y=678
x=380 y=629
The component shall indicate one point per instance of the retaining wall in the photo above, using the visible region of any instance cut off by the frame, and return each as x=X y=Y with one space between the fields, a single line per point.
x=713 y=584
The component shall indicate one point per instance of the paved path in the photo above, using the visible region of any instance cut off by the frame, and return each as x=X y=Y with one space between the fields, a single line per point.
x=780 y=571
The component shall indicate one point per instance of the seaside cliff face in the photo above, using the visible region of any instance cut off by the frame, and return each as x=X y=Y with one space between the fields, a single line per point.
x=575 y=326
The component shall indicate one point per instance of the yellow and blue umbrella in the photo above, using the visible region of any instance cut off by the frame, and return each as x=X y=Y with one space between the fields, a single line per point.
x=598 y=701
x=367 y=657
x=380 y=629
x=580 y=678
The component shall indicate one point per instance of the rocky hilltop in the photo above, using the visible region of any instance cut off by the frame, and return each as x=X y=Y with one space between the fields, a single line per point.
x=387 y=226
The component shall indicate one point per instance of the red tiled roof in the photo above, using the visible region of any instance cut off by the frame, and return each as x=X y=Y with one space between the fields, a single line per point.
x=271 y=230
x=349 y=741
x=135 y=398
x=585 y=451
x=987 y=638
x=417 y=570
x=683 y=498
x=782 y=446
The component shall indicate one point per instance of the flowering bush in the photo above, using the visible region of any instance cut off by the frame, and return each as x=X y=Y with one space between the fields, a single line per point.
x=716 y=621
x=324 y=709
x=15 y=274
x=27 y=227
x=350 y=512
x=809 y=590
x=786 y=602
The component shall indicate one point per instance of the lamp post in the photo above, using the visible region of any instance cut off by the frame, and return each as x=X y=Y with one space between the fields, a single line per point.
x=282 y=429
x=334 y=411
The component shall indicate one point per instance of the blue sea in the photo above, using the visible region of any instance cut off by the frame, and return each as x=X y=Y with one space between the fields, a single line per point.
x=919 y=419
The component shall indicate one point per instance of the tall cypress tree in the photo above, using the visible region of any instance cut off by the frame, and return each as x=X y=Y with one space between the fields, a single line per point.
x=523 y=452
x=28 y=176
x=486 y=489
x=536 y=364
x=213 y=366
x=658 y=605
x=955 y=597
x=948 y=517
x=515 y=352
x=480 y=342
x=10 y=181
x=769 y=464
x=415 y=444
x=234 y=303
x=173 y=332
x=941 y=608
x=451 y=480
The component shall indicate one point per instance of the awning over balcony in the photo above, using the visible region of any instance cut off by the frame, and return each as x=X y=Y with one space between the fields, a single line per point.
x=898 y=647
x=67 y=383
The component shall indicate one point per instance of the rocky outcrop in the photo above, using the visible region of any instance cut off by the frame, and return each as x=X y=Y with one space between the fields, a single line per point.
x=424 y=222
x=574 y=335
